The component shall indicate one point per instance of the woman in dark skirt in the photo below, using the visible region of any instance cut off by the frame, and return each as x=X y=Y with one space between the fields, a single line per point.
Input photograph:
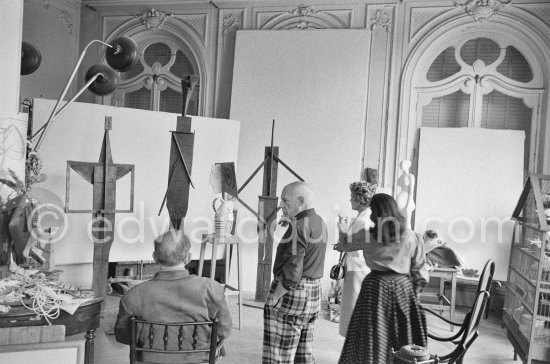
x=387 y=313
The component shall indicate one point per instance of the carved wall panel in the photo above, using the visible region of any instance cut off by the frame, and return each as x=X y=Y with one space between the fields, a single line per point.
x=112 y=23
x=541 y=11
x=229 y=22
x=421 y=16
x=197 y=22
x=56 y=36
x=381 y=21
x=303 y=17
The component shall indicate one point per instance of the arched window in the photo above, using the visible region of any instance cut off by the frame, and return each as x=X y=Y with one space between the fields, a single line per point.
x=155 y=82
x=479 y=82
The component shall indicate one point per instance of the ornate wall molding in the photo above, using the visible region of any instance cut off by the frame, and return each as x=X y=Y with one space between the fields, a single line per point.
x=153 y=19
x=230 y=23
x=68 y=19
x=382 y=20
x=422 y=16
x=541 y=11
x=197 y=22
x=482 y=10
x=304 y=18
x=112 y=23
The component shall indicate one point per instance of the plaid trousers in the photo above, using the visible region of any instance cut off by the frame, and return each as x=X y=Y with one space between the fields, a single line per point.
x=289 y=323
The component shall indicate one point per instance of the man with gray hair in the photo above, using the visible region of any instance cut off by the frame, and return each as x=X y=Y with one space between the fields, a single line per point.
x=293 y=302
x=173 y=295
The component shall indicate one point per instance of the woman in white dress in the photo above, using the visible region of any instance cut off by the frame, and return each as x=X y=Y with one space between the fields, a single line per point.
x=356 y=268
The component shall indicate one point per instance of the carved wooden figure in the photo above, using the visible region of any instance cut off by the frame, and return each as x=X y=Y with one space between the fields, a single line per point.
x=103 y=176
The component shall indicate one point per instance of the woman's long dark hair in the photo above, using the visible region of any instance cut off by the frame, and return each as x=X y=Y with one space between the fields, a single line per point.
x=389 y=224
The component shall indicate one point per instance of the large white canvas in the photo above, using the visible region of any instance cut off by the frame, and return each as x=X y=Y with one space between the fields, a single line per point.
x=469 y=181
x=314 y=85
x=137 y=137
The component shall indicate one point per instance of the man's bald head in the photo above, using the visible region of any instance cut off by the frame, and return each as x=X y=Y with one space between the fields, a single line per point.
x=296 y=197
x=172 y=248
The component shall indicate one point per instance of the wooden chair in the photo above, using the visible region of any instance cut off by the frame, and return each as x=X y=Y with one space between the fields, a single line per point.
x=484 y=284
x=486 y=281
x=467 y=333
x=190 y=347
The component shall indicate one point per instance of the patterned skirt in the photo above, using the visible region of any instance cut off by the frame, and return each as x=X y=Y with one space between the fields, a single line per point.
x=387 y=315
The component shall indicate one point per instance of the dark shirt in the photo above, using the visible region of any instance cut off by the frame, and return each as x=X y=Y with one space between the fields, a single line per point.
x=301 y=252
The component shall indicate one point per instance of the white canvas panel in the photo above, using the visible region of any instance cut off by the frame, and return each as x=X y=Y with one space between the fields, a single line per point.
x=137 y=137
x=469 y=181
x=314 y=85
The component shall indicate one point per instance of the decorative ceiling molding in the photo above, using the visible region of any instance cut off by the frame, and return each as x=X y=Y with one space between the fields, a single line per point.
x=153 y=19
x=382 y=20
x=304 y=18
x=302 y=10
x=482 y=10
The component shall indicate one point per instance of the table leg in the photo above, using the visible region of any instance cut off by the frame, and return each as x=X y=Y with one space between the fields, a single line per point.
x=213 y=260
x=453 y=298
x=201 y=258
x=89 y=347
x=239 y=280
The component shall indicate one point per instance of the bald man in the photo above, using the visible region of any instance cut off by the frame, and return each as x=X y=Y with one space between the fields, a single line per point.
x=293 y=302
x=173 y=295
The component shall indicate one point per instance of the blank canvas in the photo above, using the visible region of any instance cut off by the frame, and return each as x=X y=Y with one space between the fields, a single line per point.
x=469 y=181
x=313 y=84
x=138 y=137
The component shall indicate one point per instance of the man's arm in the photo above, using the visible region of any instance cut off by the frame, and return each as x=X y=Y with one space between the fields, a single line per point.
x=225 y=322
x=122 y=325
x=294 y=265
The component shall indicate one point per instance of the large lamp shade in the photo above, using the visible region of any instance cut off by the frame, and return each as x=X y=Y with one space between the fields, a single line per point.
x=106 y=81
x=30 y=58
x=123 y=54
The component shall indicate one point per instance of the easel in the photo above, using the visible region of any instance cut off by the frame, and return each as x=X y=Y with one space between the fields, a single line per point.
x=103 y=176
x=267 y=211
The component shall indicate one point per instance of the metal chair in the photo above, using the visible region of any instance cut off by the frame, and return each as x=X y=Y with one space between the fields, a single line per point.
x=194 y=342
x=467 y=333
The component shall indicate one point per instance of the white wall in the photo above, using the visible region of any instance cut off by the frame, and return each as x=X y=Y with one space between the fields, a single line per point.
x=137 y=137
x=313 y=85
x=469 y=181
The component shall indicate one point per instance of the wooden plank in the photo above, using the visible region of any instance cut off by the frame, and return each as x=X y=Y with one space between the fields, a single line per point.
x=267 y=205
x=31 y=334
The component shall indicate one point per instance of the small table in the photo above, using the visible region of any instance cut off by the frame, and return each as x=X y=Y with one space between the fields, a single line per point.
x=228 y=240
x=85 y=319
x=444 y=303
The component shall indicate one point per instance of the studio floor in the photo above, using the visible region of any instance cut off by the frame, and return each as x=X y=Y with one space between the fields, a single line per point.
x=245 y=345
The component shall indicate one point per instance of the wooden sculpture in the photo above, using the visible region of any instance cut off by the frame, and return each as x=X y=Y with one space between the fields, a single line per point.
x=103 y=176
x=181 y=162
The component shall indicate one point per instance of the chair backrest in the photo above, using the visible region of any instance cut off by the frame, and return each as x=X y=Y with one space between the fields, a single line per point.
x=197 y=340
x=469 y=329
x=486 y=277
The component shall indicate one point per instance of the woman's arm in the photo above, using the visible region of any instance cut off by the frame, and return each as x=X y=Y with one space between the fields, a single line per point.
x=419 y=267
x=352 y=242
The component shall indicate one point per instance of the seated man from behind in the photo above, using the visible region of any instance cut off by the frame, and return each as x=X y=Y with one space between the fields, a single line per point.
x=173 y=295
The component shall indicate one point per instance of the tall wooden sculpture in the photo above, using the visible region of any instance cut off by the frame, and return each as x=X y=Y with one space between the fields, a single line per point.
x=267 y=211
x=103 y=176
x=181 y=161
